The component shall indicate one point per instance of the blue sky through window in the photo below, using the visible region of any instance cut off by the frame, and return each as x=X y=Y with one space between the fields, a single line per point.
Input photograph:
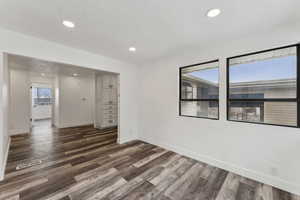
x=41 y=92
x=271 y=69
x=207 y=74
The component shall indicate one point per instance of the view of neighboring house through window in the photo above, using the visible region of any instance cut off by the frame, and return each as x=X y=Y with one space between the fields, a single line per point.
x=263 y=87
x=41 y=96
x=199 y=90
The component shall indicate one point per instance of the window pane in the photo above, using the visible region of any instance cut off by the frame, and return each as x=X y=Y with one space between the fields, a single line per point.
x=42 y=96
x=186 y=90
x=200 y=108
x=44 y=92
x=281 y=113
x=200 y=82
x=264 y=75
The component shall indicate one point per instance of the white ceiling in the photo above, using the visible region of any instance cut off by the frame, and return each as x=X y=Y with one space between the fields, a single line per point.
x=156 y=28
x=50 y=69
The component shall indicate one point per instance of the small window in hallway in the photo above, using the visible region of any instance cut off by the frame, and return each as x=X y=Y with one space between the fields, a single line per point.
x=199 y=90
x=41 y=96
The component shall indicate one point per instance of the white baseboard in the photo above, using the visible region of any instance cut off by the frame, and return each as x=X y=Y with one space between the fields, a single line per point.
x=17 y=131
x=73 y=125
x=2 y=173
x=122 y=140
x=258 y=176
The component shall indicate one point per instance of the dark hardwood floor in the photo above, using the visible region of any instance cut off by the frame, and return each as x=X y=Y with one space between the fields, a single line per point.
x=86 y=163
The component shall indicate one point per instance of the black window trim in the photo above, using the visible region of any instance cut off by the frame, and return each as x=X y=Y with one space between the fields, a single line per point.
x=212 y=99
x=296 y=100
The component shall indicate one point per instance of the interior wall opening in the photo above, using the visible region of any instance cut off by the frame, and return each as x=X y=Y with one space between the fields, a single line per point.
x=47 y=97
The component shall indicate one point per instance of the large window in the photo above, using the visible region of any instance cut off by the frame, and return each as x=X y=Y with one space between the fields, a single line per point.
x=199 y=90
x=262 y=87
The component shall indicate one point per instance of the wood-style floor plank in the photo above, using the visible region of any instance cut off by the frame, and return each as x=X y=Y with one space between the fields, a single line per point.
x=84 y=163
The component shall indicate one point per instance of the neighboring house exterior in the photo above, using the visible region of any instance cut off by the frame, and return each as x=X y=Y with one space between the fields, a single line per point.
x=257 y=111
x=195 y=88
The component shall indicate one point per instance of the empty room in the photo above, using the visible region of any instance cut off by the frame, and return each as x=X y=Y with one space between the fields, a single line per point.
x=149 y=100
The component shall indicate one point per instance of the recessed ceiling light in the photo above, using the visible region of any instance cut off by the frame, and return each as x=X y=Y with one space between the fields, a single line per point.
x=132 y=49
x=213 y=12
x=42 y=74
x=75 y=74
x=68 y=24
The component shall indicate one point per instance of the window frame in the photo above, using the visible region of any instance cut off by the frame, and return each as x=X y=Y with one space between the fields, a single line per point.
x=296 y=99
x=197 y=100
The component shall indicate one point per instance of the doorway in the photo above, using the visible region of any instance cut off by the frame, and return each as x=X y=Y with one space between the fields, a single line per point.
x=41 y=105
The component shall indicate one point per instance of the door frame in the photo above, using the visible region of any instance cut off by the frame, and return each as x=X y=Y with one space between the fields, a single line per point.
x=45 y=85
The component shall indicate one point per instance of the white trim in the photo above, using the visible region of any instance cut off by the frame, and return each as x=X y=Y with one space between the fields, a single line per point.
x=249 y=173
x=5 y=161
x=122 y=141
x=73 y=125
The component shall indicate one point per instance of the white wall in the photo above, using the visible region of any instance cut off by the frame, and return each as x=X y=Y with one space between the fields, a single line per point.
x=4 y=109
x=55 y=113
x=266 y=153
x=76 y=100
x=19 y=119
x=41 y=81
